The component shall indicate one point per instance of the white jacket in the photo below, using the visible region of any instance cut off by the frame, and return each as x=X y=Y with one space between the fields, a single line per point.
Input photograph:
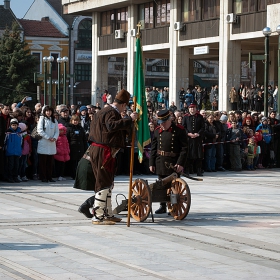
x=47 y=129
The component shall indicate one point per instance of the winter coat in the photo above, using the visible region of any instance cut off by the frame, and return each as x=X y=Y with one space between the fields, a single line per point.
x=13 y=141
x=26 y=145
x=62 y=149
x=77 y=141
x=49 y=130
x=233 y=96
x=266 y=132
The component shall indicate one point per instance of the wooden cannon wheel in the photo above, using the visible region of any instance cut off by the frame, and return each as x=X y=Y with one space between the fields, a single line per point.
x=141 y=200
x=180 y=210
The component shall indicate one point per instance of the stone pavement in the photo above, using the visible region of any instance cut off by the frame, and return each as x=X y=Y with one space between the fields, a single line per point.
x=231 y=232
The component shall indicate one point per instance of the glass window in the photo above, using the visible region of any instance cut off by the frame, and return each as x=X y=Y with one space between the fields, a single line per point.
x=85 y=34
x=38 y=58
x=122 y=19
x=162 y=12
x=261 y=5
x=210 y=9
x=107 y=22
x=83 y=72
x=237 y=6
x=191 y=10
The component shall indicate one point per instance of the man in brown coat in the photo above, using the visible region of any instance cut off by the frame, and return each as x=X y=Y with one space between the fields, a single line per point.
x=107 y=136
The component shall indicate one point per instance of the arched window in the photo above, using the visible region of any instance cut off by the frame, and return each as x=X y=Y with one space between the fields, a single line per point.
x=85 y=34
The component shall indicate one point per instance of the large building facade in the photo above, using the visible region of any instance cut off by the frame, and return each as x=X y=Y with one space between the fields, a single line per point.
x=182 y=31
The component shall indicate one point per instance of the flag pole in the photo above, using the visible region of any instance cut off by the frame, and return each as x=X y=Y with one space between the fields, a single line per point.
x=131 y=168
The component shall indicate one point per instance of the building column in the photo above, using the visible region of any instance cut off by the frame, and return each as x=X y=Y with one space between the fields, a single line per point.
x=132 y=16
x=229 y=59
x=178 y=57
x=99 y=64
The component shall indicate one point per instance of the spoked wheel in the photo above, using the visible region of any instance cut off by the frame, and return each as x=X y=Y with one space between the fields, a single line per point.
x=141 y=200
x=180 y=210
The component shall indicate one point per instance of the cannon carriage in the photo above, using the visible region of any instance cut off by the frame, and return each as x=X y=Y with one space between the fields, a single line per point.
x=173 y=190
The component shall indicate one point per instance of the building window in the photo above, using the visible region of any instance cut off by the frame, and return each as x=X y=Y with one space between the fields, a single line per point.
x=154 y=14
x=191 y=10
x=107 y=22
x=251 y=6
x=83 y=72
x=210 y=9
x=121 y=19
x=112 y=20
x=162 y=13
x=38 y=57
x=146 y=15
x=85 y=35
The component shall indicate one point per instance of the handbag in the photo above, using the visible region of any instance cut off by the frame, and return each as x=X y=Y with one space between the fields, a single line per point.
x=35 y=134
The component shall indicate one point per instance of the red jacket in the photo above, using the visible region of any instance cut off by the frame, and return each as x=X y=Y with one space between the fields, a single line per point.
x=62 y=149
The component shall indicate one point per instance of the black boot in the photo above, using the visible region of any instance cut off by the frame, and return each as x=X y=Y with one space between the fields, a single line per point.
x=84 y=208
x=199 y=172
x=161 y=209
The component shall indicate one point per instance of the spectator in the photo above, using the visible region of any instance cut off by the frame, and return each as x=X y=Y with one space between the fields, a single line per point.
x=233 y=99
x=62 y=152
x=64 y=117
x=12 y=144
x=77 y=141
x=182 y=97
x=48 y=129
x=25 y=153
x=172 y=107
x=234 y=135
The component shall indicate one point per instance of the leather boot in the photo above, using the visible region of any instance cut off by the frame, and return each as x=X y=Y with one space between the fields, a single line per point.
x=161 y=209
x=84 y=208
x=199 y=172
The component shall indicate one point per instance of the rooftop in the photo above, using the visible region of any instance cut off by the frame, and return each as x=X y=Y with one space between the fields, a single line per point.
x=43 y=28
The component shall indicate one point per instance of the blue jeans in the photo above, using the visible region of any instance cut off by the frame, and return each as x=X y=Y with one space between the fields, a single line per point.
x=166 y=103
x=210 y=158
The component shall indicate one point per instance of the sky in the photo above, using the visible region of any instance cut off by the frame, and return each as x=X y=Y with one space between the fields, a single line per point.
x=19 y=7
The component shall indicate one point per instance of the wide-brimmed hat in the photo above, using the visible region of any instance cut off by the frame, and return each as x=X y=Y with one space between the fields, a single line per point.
x=123 y=96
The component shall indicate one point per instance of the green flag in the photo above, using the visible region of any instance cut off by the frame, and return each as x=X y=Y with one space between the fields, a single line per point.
x=142 y=126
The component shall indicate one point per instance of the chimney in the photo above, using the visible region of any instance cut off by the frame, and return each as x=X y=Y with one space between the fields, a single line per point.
x=7 y=4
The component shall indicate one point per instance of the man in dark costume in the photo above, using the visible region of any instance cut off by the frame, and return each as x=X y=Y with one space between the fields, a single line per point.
x=107 y=136
x=194 y=124
x=168 y=145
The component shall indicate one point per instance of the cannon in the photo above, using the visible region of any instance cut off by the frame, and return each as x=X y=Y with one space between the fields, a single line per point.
x=173 y=190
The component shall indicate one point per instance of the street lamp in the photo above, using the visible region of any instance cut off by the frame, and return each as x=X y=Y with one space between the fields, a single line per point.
x=266 y=33
x=50 y=60
x=65 y=60
x=59 y=61
x=45 y=60
x=278 y=93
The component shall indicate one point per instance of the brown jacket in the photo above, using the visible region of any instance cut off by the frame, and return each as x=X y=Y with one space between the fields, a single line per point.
x=110 y=129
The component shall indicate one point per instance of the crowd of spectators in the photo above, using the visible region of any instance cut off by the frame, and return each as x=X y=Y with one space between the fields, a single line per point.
x=241 y=139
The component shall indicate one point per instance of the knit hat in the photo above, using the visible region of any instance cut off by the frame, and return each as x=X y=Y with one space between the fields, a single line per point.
x=13 y=121
x=264 y=119
x=61 y=127
x=83 y=108
x=22 y=126
x=123 y=96
x=223 y=118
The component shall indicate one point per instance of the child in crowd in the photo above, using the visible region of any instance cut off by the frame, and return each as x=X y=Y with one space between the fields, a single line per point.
x=62 y=152
x=252 y=150
x=26 y=151
x=12 y=146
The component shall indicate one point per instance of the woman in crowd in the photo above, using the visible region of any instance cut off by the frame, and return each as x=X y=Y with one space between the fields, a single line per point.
x=211 y=134
x=77 y=141
x=48 y=129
